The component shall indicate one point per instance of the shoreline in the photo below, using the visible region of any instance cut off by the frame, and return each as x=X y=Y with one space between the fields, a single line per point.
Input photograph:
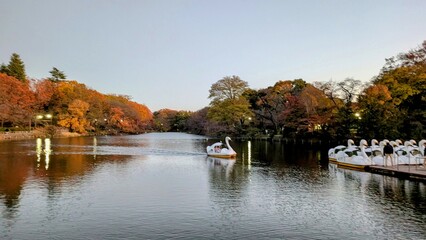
x=38 y=133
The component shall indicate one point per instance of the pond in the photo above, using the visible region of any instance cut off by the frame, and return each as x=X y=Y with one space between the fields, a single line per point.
x=163 y=186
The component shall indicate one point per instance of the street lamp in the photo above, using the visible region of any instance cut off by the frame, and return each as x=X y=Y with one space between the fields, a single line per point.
x=49 y=117
x=40 y=117
x=358 y=115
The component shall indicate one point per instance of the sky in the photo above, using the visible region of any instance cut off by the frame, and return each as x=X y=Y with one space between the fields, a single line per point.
x=168 y=53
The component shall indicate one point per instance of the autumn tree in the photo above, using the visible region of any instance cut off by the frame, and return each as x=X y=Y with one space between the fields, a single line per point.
x=67 y=92
x=198 y=122
x=43 y=90
x=15 y=68
x=378 y=115
x=75 y=118
x=346 y=92
x=127 y=116
x=318 y=108
x=16 y=100
x=98 y=109
x=72 y=104
x=140 y=116
x=331 y=90
x=163 y=119
x=290 y=105
x=304 y=108
x=269 y=103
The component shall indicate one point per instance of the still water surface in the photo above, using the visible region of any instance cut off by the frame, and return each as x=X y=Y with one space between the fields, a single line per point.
x=162 y=186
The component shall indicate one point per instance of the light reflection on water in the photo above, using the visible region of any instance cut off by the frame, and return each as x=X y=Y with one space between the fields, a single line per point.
x=162 y=186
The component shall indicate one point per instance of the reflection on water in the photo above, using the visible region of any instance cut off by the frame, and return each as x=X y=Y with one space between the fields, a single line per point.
x=220 y=165
x=248 y=154
x=40 y=151
x=95 y=147
x=39 y=148
x=47 y=152
x=162 y=186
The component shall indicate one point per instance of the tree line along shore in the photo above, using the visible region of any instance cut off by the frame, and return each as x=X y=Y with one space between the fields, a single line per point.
x=390 y=105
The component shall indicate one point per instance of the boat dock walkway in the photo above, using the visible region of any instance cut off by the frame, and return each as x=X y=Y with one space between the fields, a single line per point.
x=413 y=172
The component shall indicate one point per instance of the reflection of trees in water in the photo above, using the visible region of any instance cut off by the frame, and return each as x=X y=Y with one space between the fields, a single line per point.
x=302 y=161
x=228 y=182
x=300 y=169
x=385 y=190
x=263 y=176
x=13 y=174
x=50 y=164
x=281 y=154
x=15 y=166
x=291 y=161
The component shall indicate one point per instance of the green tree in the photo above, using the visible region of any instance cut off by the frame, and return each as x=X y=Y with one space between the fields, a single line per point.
x=378 y=115
x=163 y=119
x=232 y=113
x=15 y=68
x=347 y=123
x=56 y=75
x=229 y=87
x=180 y=121
x=228 y=105
x=3 y=69
x=405 y=77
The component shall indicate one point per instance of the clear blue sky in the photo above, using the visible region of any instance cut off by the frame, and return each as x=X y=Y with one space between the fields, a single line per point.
x=167 y=54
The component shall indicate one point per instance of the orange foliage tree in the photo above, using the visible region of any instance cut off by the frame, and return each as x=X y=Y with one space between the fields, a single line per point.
x=105 y=112
x=319 y=108
x=127 y=116
x=16 y=101
x=75 y=119
x=44 y=91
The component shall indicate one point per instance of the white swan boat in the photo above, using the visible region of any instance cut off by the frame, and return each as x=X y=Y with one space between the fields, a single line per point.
x=219 y=151
x=332 y=152
x=354 y=158
x=411 y=154
x=375 y=152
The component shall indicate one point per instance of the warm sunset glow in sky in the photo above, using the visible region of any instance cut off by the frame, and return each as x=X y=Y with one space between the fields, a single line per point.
x=168 y=53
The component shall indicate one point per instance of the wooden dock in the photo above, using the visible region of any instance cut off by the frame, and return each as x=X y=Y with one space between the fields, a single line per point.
x=412 y=172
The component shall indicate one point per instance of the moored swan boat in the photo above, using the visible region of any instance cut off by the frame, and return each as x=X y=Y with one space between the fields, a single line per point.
x=354 y=158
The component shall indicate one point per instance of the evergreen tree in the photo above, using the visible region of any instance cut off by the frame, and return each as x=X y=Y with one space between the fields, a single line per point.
x=3 y=69
x=57 y=75
x=16 y=68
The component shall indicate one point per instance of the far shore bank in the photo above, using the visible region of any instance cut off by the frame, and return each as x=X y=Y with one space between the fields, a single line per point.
x=64 y=133
x=37 y=133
